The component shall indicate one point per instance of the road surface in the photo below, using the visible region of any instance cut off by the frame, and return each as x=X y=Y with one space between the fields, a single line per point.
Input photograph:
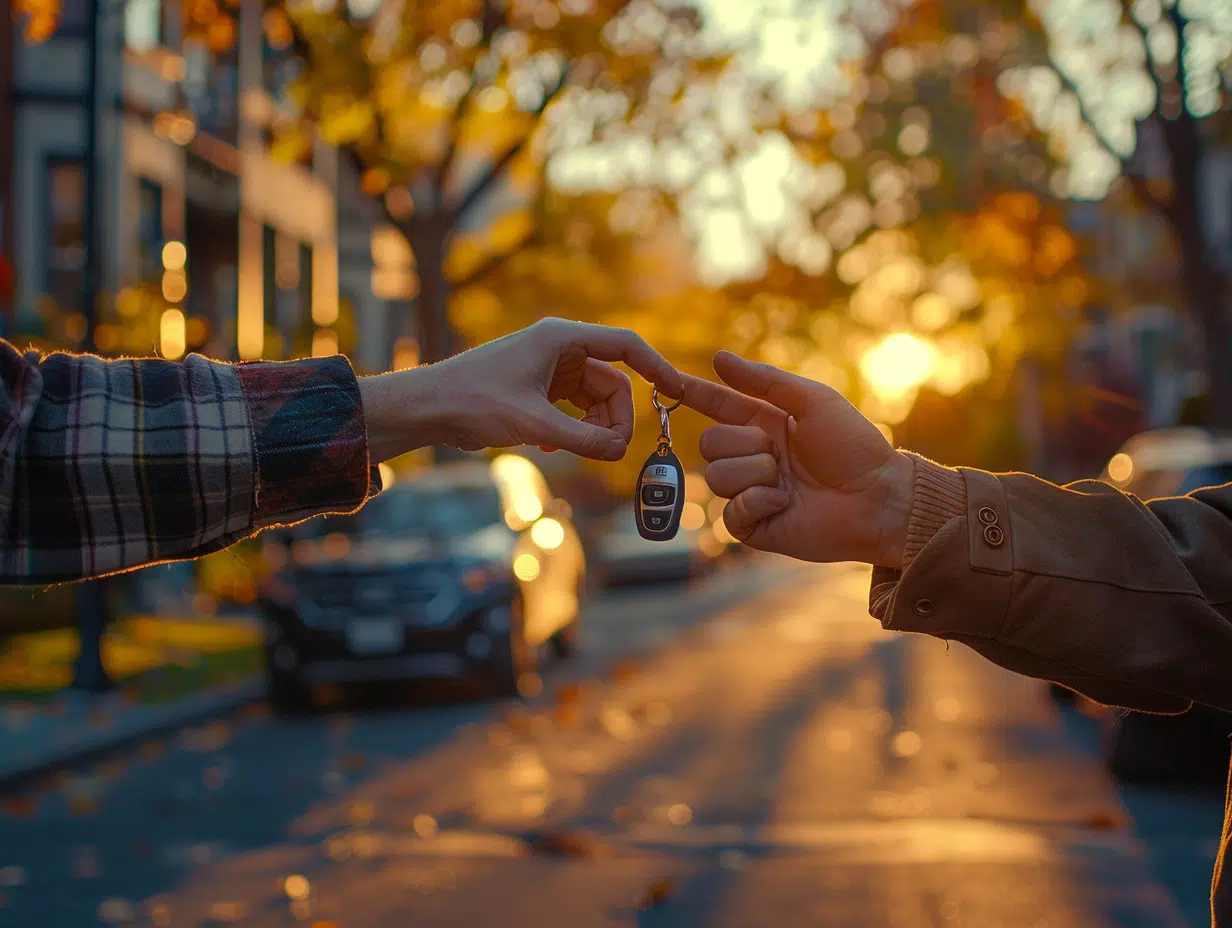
x=748 y=750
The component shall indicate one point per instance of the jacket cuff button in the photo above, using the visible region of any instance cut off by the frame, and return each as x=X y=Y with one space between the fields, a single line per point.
x=924 y=607
x=993 y=535
x=987 y=516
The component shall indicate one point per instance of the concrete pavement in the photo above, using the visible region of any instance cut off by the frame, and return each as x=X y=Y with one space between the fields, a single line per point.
x=783 y=763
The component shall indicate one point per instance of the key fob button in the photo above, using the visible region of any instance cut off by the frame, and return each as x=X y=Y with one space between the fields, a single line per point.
x=658 y=495
x=657 y=521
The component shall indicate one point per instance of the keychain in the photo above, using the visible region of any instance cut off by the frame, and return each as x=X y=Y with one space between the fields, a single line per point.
x=659 y=497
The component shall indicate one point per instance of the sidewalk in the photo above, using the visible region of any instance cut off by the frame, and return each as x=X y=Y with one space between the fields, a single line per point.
x=169 y=672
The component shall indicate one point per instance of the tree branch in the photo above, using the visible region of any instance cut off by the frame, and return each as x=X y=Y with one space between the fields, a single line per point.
x=491 y=263
x=493 y=19
x=1137 y=183
x=498 y=166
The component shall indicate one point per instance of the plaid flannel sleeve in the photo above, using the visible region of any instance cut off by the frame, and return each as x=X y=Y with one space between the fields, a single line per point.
x=110 y=465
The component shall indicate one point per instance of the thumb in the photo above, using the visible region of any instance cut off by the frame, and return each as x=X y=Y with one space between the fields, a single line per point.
x=557 y=429
x=787 y=391
x=745 y=511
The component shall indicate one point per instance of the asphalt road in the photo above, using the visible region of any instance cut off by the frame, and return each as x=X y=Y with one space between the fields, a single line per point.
x=748 y=750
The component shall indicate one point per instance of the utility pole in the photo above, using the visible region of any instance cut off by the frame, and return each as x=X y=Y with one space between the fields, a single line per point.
x=90 y=600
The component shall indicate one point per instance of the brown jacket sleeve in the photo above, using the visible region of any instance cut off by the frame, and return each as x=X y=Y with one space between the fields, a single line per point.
x=1126 y=602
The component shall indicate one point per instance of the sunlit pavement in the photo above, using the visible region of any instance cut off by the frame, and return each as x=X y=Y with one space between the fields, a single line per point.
x=770 y=757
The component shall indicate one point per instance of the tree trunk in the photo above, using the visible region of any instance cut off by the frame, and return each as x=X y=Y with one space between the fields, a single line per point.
x=427 y=238
x=91 y=607
x=436 y=342
x=1204 y=288
x=1202 y=280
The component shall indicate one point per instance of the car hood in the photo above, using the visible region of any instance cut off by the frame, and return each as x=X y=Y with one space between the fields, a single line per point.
x=492 y=545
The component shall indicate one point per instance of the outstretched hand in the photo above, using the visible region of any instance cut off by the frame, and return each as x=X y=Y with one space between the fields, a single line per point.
x=501 y=394
x=805 y=473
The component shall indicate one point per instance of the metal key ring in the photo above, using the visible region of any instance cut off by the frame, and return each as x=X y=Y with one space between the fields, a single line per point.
x=654 y=398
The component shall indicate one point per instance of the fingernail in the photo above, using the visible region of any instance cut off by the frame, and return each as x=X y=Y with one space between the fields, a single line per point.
x=615 y=450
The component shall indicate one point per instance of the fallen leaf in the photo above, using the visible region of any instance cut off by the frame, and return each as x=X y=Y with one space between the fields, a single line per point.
x=567 y=716
x=518 y=722
x=658 y=893
x=256 y=710
x=623 y=672
x=83 y=805
x=1105 y=819
x=569 y=694
x=21 y=806
x=564 y=844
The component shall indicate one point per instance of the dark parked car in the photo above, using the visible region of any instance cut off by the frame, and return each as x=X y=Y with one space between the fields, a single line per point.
x=462 y=571
x=1192 y=747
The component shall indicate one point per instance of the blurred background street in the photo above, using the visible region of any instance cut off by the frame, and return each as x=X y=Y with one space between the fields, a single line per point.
x=747 y=749
x=1002 y=229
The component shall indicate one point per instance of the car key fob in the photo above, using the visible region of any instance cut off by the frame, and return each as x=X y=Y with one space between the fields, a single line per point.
x=659 y=498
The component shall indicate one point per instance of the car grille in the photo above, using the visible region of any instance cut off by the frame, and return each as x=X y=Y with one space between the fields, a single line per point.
x=338 y=597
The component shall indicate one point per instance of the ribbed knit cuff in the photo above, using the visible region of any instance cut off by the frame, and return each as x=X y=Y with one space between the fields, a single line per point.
x=940 y=495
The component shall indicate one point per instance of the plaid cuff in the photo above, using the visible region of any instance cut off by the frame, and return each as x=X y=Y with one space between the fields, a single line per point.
x=310 y=439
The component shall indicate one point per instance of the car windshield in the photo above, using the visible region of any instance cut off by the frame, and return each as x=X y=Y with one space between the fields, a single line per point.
x=436 y=512
x=1212 y=475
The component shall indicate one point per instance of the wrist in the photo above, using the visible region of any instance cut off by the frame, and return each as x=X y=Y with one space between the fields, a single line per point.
x=403 y=411
x=896 y=499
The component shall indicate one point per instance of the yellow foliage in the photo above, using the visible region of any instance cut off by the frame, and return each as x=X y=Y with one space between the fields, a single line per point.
x=346 y=122
x=374 y=181
x=291 y=145
x=1055 y=250
x=475 y=310
x=1021 y=206
x=465 y=255
x=510 y=230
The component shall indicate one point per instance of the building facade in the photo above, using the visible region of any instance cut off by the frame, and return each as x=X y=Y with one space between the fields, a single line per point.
x=204 y=242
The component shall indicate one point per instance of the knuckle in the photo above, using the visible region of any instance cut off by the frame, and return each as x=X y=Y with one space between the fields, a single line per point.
x=706 y=445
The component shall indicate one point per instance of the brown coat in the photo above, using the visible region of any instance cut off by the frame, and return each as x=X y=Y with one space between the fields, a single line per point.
x=1129 y=603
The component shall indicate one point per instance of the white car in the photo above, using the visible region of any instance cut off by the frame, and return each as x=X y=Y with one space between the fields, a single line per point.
x=1170 y=748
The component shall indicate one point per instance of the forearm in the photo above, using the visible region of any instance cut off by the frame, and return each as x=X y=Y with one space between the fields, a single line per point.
x=404 y=410
x=108 y=465
x=1128 y=603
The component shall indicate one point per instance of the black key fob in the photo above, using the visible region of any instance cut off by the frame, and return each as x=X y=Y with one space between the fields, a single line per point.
x=659 y=497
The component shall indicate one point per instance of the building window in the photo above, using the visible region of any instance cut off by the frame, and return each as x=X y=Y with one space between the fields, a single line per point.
x=143 y=24
x=75 y=17
x=66 y=254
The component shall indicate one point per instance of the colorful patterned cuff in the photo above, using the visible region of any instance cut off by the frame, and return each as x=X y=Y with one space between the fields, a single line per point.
x=310 y=438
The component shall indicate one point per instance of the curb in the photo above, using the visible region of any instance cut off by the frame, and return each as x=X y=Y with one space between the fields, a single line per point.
x=136 y=725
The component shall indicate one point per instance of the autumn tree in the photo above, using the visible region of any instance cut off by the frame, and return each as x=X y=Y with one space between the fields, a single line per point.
x=834 y=195
x=441 y=108
x=1133 y=93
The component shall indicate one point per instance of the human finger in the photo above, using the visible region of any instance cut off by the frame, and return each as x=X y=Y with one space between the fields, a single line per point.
x=729 y=477
x=733 y=441
x=558 y=429
x=607 y=392
x=606 y=343
x=744 y=512
x=789 y=392
x=719 y=401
